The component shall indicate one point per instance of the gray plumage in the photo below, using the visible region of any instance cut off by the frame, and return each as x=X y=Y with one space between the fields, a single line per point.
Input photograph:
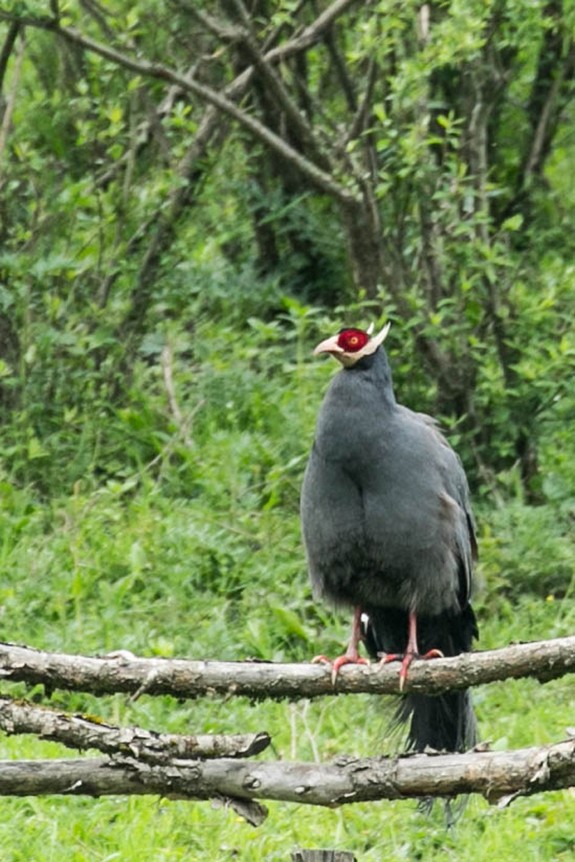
x=388 y=530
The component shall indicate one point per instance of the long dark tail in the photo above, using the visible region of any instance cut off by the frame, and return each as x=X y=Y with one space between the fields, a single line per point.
x=444 y=722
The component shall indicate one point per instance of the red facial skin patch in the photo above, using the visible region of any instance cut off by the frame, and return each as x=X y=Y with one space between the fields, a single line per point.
x=352 y=340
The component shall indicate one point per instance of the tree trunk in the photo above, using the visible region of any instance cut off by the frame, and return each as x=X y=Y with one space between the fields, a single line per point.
x=363 y=233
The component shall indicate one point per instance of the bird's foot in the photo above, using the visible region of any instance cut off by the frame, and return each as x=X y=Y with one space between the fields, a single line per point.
x=406 y=659
x=349 y=657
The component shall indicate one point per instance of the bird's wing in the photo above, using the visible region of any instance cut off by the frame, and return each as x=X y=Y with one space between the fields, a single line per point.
x=456 y=487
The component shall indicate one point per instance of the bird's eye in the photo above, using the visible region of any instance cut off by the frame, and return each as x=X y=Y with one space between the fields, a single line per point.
x=352 y=340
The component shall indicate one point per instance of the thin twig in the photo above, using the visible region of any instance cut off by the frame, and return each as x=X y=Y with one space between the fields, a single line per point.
x=167 y=363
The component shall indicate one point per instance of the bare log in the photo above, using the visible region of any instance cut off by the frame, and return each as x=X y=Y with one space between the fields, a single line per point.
x=499 y=776
x=83 y=732
x=183 y=678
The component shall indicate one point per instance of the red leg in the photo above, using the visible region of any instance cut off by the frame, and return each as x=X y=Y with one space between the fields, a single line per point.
x=411 y=651
x=351 y=655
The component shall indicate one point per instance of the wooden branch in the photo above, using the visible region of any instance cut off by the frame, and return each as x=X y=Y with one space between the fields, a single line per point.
x=183 y=678
x=301 y=41
x=7 y=48
x=10 y=102
x=82 y=732
x=550 y=90
x=499 y=776
x=545 y=127
x=276 y=91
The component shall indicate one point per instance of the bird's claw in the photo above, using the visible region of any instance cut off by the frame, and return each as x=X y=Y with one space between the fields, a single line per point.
x=337 y=663
x=406 y=660
x=346 y=658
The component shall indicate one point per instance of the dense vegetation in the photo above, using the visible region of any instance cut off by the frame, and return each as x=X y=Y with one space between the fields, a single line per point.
x=191 y=195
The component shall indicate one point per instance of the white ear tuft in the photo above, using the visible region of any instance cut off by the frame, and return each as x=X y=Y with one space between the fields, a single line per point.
x=370 y=329
x=380 y=338
x=373 y=343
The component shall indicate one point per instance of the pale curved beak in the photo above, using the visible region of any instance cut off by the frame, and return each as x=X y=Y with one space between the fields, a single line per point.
x=330 y=345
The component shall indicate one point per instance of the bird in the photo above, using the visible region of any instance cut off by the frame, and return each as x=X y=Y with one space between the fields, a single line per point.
x=388 y=531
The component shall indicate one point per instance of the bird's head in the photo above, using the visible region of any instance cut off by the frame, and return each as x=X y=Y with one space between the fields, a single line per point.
x=350 y=345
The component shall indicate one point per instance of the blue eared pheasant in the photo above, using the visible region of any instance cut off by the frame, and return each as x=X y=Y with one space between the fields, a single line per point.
x=389 y=532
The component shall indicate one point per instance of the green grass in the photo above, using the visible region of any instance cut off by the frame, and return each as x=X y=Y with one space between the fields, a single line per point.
x=147 y=828
x=133 y=569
